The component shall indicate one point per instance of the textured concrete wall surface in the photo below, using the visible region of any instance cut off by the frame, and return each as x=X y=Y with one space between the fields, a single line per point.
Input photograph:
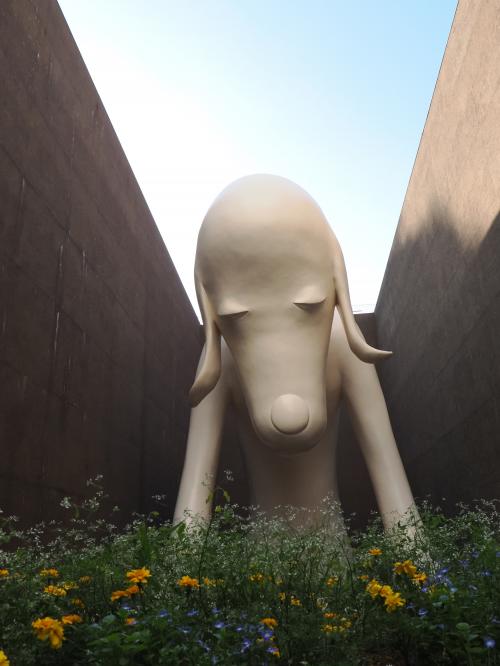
x=439 y=306
x=98 y=341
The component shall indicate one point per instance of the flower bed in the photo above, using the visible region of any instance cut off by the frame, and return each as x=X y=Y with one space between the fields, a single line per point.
x=251 y=591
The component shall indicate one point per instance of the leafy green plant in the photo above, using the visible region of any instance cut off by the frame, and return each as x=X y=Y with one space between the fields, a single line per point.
x=250 y=589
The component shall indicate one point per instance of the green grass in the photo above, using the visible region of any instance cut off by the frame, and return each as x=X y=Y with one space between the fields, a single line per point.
x=309 y=585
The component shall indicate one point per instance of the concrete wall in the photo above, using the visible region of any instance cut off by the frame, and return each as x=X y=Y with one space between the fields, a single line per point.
x=439 y=307
x=98 y=342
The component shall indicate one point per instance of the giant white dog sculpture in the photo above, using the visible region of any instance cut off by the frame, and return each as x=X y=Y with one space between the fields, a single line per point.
x=269 y=276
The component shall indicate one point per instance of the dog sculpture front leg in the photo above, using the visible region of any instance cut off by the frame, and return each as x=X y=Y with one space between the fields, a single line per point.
x=370 y=419
x=202 y=454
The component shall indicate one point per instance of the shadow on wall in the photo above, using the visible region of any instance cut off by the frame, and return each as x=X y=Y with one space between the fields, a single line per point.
x=439 y=311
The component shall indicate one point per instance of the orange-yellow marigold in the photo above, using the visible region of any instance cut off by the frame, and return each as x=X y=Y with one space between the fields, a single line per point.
x=55 y=590
x=375 y=551
x=47 y=628
x=49 y=573
x=138 y=575
x=4 y=574
x=4 y=661
x=71 y=619
x=188 y=582
x=269 y=622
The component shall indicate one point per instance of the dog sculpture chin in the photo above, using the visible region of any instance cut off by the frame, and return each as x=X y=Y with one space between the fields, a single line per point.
x=282 y=345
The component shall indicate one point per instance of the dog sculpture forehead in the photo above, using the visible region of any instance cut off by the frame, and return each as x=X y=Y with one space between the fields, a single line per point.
x=263 y=228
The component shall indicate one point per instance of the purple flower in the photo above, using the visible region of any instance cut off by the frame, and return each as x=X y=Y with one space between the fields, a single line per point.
x=192 y=613
x=219 y=624
x=442 y=571
x=489 y=642
x=267 y=634
x=215 y=611
x=203 y=645
x=239 y=628
x=246 y=645
x=422 y=612
x=163 y=613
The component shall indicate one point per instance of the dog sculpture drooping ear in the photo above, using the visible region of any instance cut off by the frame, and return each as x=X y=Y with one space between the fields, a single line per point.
x=356 y=341
x=209 y=372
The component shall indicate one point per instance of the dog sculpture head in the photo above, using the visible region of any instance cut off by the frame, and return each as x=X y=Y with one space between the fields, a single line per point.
x=269 y=272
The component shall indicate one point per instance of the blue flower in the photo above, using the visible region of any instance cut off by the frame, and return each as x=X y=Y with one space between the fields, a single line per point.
x=215 y=611
x=219 y=624
x=443 y=571
x=489 y=642
x=192 y=613
x=203 y=645
x=267 y=634
x=495 y=620
x=485 y=573
x=246 y=645
x=163 y=613
x=453 y=588
x=464 y=563
x=410 y=606
x=422 y=612
x=475 y=554
x=126 y=607
x=239 y=627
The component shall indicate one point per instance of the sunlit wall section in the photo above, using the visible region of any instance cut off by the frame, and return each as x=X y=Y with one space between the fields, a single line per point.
x=98 y=341
x=439 y=306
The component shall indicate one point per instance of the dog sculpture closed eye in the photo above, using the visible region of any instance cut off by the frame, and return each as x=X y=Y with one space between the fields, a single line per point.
x=271 y=283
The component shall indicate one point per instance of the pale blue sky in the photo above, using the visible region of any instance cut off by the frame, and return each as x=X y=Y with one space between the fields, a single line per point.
x=331 y=94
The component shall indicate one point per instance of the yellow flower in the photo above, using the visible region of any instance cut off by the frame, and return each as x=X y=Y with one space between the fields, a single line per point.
x=78 y=602
x=256 y=578
x=4 y=574
x=69 y=586
x=130 y=620
x=282 y=596
x=85 y=580
x=364 y=577
x=329 y=616
x=405 y=567
x=49 y=573
x=393 y=601
x=419 y=578
x=295 y=601
x=48 y=628
x=373 y=588
x=3 y=659
x=188 y=582
x=71 y=619
x=385 y=591
x=269 y=622
x=375 y=551
x=328 y=628
x=274 y=651
x=133 y=589
x=138 y=575
x=55 y=591
x=119 y=594
x=332 y=581
x=346 y=623
x=209 y=582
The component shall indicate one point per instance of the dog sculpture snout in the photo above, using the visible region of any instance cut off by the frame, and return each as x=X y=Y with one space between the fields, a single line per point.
x=290 y=414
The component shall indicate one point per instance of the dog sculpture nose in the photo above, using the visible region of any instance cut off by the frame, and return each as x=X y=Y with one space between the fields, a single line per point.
x=289 y=414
